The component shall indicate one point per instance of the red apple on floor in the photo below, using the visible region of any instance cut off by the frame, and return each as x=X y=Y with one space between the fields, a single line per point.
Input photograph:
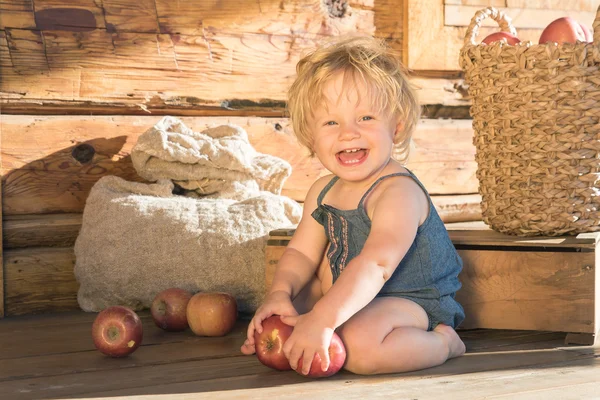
x=169 y=309
x=269 y=343
x=117 y=331
x=337 y=358
x=211 y=313
x=563 y=30
x=497 y=36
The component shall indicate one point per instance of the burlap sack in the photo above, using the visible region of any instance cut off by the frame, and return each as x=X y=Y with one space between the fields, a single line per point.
x=218 y=162
x=137 y=239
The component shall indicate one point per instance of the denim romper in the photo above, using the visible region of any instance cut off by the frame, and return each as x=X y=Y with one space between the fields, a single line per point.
x=428 y=273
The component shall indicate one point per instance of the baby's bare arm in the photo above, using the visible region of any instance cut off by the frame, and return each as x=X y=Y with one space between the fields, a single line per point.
x=304 y=253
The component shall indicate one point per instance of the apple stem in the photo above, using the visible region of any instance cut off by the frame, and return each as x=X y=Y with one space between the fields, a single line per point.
x=162 y=307
x=112 y=333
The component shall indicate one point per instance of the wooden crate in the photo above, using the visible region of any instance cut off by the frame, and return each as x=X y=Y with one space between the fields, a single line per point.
x=545 y=284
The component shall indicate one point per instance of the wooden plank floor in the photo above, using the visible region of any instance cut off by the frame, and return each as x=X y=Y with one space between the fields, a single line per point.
x=53 y=357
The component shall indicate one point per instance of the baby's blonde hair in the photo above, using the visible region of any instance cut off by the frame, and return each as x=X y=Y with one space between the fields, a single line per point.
x=357 y=57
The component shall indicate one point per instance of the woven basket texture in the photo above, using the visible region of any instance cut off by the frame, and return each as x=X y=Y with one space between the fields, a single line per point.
x=536 y=122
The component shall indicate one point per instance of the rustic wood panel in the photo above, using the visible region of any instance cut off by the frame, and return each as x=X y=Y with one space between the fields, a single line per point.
x=17 y=14
x=45 y=230
x=147 y=69
x=480 y=3
x=199 y=59
x=572 y=5
x=129 y=16
x=268 y=17
x=61 y=230
x=525 y=17
x=31 y=50
x=39 y=279
x=41 y=175
x=528 y=290
x=440 y=98
x=152 y=55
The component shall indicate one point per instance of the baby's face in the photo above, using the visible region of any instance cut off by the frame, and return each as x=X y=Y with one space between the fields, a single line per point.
x=351 y=138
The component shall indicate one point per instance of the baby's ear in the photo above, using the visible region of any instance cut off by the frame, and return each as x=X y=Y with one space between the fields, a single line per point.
x=399 y=133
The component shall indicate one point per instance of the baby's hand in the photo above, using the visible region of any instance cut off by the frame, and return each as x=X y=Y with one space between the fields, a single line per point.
x=276 y=303
x=310 y=336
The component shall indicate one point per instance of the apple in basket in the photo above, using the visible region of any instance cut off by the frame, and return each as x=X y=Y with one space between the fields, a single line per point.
x=564 y=30
x=169 y=309
x=337 y=358
x=269 y=343
x=589 y=35
x=211 y=313
x=497 y=36
x=117 y=331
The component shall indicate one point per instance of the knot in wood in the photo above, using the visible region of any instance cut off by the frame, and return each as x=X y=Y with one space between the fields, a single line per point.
x=336 y=8
x=83 y=153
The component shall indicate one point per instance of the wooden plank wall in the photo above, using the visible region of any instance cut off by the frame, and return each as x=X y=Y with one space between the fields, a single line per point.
x=81 y=80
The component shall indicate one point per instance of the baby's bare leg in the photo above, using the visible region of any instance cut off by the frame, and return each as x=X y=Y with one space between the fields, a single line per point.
x=390 y=335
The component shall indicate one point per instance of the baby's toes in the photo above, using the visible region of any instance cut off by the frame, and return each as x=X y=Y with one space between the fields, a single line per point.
x=248 y=348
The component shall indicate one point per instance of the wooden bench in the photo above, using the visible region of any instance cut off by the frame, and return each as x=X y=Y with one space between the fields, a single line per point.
x=545 y=283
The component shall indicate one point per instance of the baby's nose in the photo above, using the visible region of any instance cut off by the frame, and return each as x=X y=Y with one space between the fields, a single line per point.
x=349 y=131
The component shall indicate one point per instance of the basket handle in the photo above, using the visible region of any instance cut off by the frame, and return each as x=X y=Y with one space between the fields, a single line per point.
x=595 y=29
x=502 y=19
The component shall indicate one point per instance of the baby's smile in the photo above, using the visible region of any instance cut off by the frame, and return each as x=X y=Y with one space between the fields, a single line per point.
x=351 y=157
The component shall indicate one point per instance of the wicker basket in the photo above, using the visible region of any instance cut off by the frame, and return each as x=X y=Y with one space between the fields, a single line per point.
x=536 y=117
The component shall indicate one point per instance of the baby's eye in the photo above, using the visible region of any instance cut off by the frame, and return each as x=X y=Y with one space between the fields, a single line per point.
x=367 y=118
x=330 y=123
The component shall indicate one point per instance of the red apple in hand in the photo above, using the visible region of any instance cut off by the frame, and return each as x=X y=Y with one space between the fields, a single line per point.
x=497 y=36
x=269 y=343
x=169 y=309
x=563 y=30
x=117 y=331
x=211 y=313
x=337 y=358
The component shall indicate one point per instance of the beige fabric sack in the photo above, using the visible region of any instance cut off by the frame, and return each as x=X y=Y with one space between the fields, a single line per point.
x=219 y=162
x=137 y=239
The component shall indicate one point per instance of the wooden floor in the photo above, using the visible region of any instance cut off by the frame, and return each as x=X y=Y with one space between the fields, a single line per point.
x=53 y=357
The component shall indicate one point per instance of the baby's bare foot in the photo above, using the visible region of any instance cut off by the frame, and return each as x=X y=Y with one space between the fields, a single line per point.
x=247 y=348
x=456 y=347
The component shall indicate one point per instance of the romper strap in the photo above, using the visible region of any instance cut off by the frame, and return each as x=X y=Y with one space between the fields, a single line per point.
x=326 y=189
x=364 y=197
